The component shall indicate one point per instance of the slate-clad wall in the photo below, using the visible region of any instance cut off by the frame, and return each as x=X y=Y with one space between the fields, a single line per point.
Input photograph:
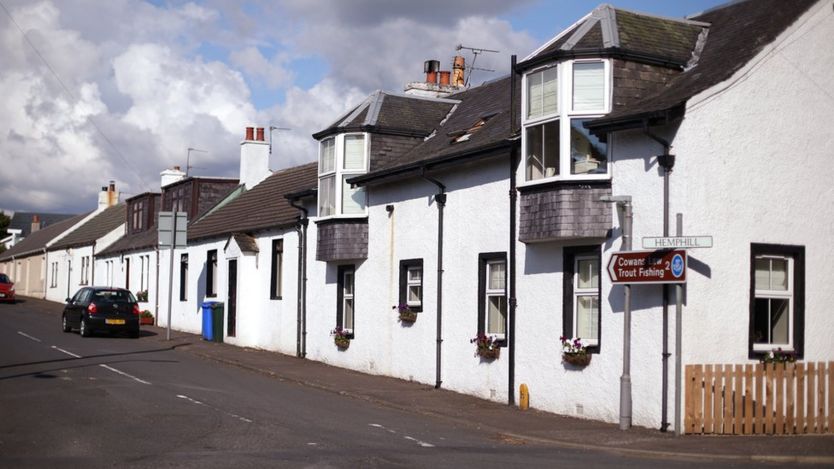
x=634 y=81
x=210 y=193
x=342 y=240
x=387 y=148
x=564 y=212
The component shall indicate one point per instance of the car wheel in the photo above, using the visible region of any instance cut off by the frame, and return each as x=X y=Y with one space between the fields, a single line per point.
x=134 y=334
x=83 y=329
x=64 y=324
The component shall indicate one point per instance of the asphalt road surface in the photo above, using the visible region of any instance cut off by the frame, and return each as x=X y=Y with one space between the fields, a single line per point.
x=68 y=401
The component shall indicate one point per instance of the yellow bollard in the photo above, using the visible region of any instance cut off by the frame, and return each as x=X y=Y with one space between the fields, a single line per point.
x=523 y=397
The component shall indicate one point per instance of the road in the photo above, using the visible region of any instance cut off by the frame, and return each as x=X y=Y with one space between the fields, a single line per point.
x=68 y=401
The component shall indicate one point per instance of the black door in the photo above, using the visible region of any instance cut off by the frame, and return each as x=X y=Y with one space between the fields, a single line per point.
x=232 y=303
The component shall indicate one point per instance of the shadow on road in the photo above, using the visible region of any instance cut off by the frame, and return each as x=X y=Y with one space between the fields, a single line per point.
x=60 y=360
x=46 y=373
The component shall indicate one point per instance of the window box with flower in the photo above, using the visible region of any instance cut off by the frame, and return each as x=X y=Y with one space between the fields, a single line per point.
x=779 y=356
x=142 y=296
x=406 y=314
x=574 y=352
x=146 y=318
x=486 y=346
x=341 y=337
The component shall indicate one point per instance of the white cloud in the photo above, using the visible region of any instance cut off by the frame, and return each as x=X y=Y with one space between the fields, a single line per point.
x=270 y=72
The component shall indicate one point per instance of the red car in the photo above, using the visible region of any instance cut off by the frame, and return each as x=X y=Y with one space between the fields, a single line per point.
x=6 y=288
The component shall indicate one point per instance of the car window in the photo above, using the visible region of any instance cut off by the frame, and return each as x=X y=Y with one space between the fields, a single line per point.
x=78 y=296
x=114 y=296
x=4 y=279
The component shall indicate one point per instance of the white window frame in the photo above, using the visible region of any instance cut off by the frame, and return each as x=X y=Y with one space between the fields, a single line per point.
x=584 y=292
x=564 y=115
x=767 y=293
x=339 y=173
x=410 y=282
x=489 y=293
x=348 y=296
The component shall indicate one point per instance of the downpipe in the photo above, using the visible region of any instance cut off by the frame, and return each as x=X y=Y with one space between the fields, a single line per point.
x=301 y=288
x=440 y=199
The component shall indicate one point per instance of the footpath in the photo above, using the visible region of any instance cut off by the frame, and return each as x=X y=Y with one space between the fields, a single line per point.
x=510 y=425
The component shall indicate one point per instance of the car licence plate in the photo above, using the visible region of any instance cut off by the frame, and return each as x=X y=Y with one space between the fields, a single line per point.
x=114 y=321
x=2 y=295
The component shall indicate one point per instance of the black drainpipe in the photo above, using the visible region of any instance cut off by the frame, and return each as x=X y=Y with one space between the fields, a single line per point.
x=513 y=196
x=93 y=265
x=440 y=199
x=301 y=328
x=667 y=162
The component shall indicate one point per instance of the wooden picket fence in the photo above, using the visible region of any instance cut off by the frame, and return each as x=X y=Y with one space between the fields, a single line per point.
x=771 y=399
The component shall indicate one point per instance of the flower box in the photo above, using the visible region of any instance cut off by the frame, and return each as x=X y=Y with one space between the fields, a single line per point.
x=489 y=354
x=341 y=342
x=486 y=347
x=146 y=318
x=577 y=359
x=408 y=316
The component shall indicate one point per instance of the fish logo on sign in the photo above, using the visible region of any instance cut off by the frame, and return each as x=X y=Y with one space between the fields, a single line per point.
x=677 y=265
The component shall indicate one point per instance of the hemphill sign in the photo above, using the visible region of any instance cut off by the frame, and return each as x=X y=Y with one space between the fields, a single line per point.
x=666 y=266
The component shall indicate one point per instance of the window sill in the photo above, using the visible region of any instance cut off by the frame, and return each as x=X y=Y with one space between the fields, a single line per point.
x=576 y=179
x=342 y=218
x=275 y=298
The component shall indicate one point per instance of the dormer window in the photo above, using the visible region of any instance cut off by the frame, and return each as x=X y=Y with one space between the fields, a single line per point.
x=558 y=100
x=341 y=158
x=138 y=216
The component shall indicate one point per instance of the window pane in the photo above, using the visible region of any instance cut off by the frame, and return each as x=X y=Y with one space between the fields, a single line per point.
x=588 y=154
x=348 y=313
x=328 y=156
x=589 y=86
x=327 y=196
x=496 y=313
x=587 y=317
x=534 y=94
x=348 y=283
x=497 y=275
x=779 y=274
x=780 y=314
x=535 y=156
x=588 y=270
x=550 y=91
x=551 y=149
x=354 y=152
x=415 y=274
x=414 y=294
x=760 y=321
x=762 y=274
x=353 y=199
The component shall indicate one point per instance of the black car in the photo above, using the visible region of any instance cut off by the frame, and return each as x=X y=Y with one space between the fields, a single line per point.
x=94 y=309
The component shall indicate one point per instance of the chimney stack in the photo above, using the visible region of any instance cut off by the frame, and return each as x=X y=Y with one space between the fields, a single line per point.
x=254 y=157
x=430 y=67
x=36 y=223
x=458 y=66
x=170 y=176
x=438 y=84
x=108 y=196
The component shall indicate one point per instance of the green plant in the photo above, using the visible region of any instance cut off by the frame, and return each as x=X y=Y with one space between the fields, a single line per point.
x=574 y=352
x=486 y=346
x=779 y=356
x=142 y=296
x=405 y=313
x=341 y=337
x=146 y=314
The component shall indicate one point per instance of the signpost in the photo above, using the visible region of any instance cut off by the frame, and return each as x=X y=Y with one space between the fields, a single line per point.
x=172 y=234
x=648 y=267
x=676 y=242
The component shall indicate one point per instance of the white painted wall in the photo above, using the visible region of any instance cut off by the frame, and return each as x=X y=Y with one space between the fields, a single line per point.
x=476 y=221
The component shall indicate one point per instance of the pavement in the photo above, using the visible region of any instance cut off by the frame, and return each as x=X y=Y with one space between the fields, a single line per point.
x=510 y=424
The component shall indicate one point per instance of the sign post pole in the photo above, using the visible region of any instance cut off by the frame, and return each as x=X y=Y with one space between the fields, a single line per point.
x=678 y=336
x=171 y=275
x=172 y=230
x=625 y=379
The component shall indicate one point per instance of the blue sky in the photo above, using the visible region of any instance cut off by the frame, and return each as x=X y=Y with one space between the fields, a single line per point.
x=123 y=99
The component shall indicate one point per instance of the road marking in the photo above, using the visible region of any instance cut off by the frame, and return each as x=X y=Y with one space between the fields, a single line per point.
x=419 y=442
x=123 y=374
x=28 y=336
x=194 y=401
x=68 y=353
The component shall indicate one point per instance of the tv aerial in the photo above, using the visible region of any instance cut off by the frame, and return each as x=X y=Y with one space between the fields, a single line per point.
x=475 y=51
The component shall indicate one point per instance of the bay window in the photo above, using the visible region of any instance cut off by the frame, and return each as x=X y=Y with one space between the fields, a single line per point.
x=559 y=99
x=340 y=158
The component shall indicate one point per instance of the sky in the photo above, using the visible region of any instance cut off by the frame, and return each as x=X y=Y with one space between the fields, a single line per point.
x=119 y=90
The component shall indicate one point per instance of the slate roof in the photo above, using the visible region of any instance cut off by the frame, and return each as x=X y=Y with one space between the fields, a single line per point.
x=23 y=220
x=36 y=241
x=89 y=232
x=737 y=32
x=613 y=31
x=483 y=113
x=145 y=240
x=384 y=112
x=245 y=242
x=262 y=207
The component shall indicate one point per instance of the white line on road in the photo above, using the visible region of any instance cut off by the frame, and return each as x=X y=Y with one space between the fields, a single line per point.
x=28 y=336
x=195 y=401
x=419 y=442
x=123 y=374
x=68 y=353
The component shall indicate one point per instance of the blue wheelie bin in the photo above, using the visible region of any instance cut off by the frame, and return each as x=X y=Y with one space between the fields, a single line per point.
x=208 y=329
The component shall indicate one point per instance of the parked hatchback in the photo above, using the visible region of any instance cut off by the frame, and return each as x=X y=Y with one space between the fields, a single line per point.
x=101 y=309
x=6 y=288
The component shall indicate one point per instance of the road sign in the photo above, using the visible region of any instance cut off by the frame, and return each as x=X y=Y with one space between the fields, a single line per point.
x=677 y=242
x=166 y=229
x=665 y=266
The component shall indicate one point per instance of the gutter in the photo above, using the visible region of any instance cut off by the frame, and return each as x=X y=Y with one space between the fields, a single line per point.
x=440 y=198
x=401 y=132
x=612 y=52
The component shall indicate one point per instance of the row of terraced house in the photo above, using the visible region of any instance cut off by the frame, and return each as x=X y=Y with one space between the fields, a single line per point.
x=485 y=210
